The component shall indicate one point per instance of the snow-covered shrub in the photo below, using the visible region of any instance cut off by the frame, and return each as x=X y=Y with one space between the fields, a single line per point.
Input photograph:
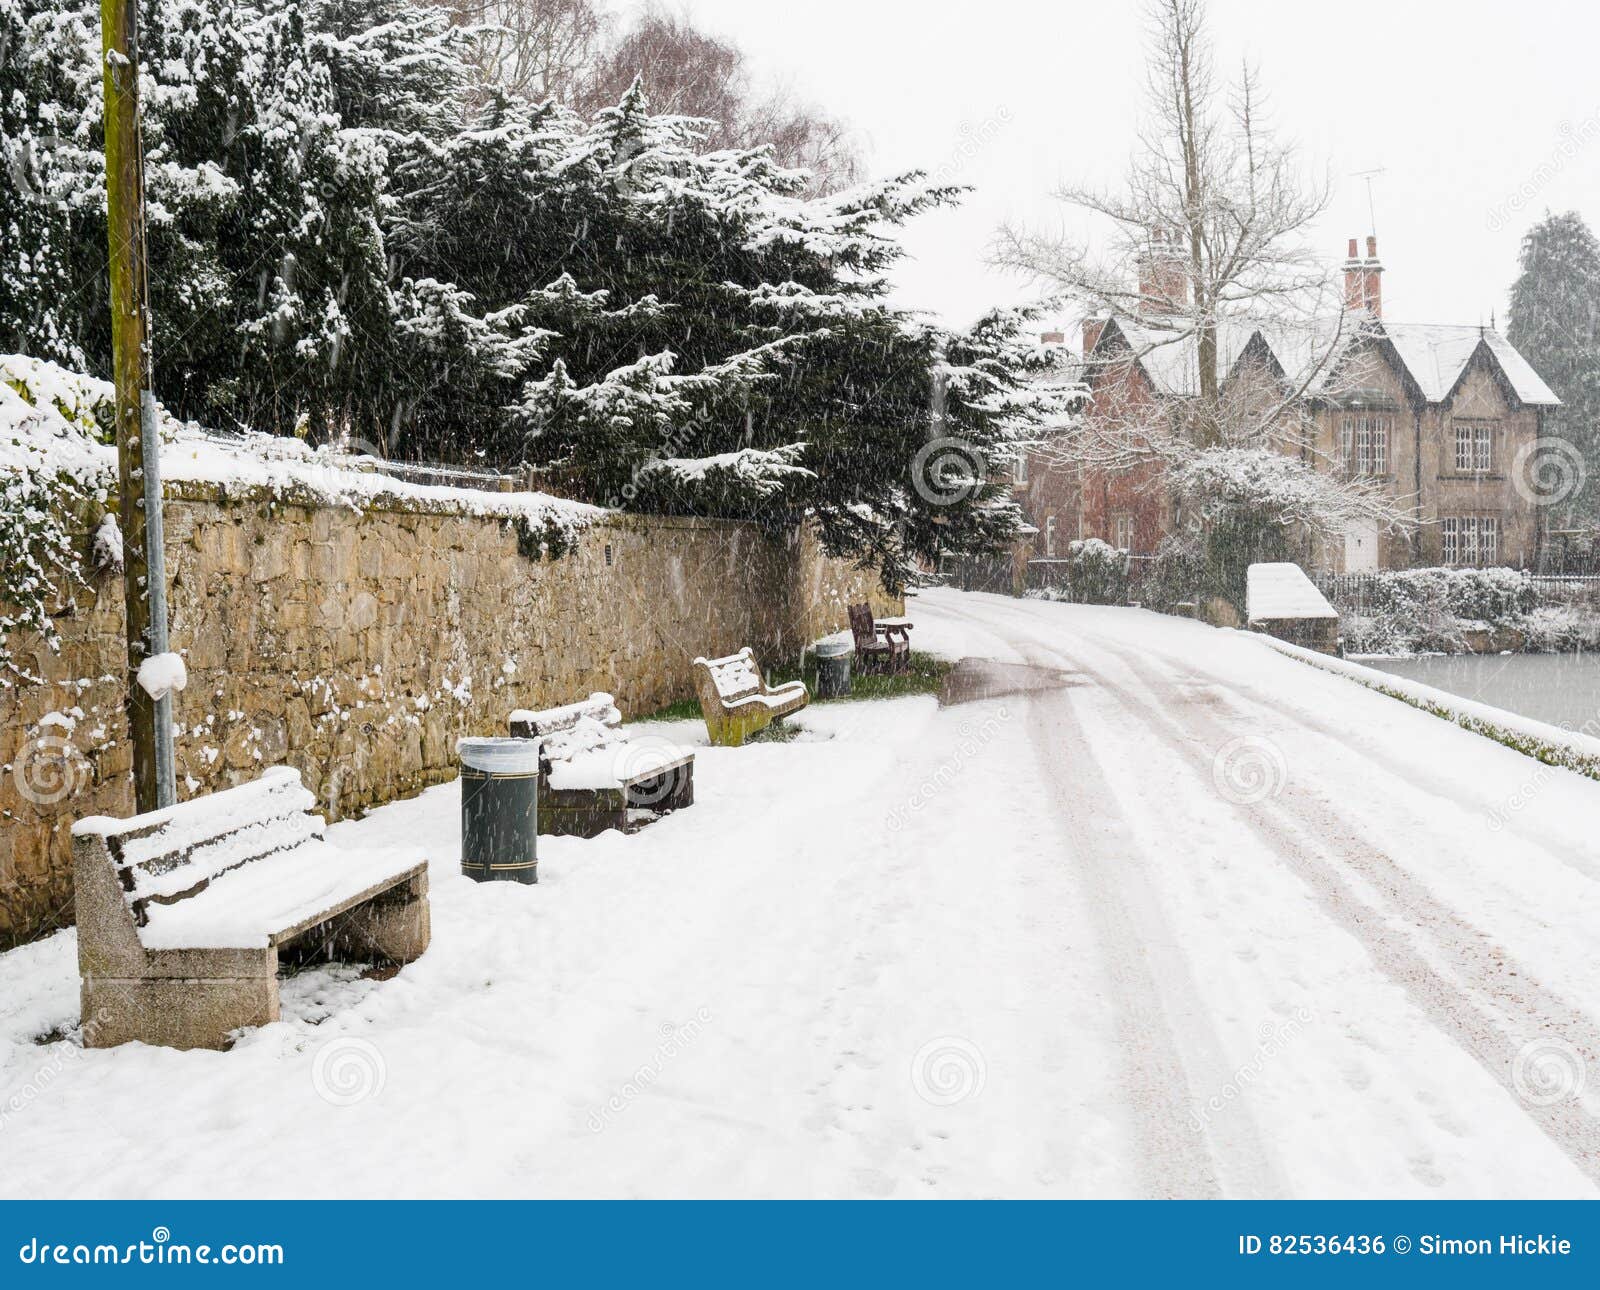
x=1561 y=629
x=1407 y=611
x=51 y=469
x=1097 y=573
x=38 y=553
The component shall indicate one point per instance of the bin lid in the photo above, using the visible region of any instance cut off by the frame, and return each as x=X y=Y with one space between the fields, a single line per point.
x=829 y=648
x=500 y=756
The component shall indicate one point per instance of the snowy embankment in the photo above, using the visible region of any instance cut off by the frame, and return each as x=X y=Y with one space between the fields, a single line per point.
x=1570 y=750
x=1185 y=918
x=56 y=422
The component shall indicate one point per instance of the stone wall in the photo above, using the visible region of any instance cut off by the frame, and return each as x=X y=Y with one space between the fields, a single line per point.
x=359 y=645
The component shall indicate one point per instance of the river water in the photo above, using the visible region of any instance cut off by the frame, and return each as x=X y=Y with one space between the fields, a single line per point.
x=1563 y=689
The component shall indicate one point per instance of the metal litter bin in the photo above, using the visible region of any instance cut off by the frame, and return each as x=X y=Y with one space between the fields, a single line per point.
x=499 y=809
x=833 y=668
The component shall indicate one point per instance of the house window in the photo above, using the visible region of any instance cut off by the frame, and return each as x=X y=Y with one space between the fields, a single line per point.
x=1123 y=532
x=1474 y=447
x=1470 y=539
x=1019 y=476
x=1364 y=444
x=1050 y=537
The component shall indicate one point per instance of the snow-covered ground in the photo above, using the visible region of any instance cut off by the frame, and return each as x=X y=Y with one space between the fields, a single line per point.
x=1194 y=919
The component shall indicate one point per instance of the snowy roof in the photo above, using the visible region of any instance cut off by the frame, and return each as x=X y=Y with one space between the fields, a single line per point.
x=1437 y=354
x=1278 y=591
x=1433 y=355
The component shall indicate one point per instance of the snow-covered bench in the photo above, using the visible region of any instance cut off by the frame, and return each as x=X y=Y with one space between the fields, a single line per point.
x=592 y=777
x=182 y=912
x=736 y=702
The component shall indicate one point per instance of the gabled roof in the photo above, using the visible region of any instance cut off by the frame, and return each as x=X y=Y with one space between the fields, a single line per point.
x=1432 y=358
x=1437 y=355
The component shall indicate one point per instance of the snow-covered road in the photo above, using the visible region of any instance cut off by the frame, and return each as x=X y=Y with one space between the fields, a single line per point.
x=1180 y=917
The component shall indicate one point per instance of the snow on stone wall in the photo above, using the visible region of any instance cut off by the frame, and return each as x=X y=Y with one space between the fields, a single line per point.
x=357 y=644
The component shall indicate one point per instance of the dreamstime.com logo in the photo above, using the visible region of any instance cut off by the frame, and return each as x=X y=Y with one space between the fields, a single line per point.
x=971 y=744
x=1249 y=769
x=346 y=1071
x=38 y=1084
x=1272 y=1037
x=1549 y=1071
x=159 y=1251
x=49 y=769
x=949 y=1070
x=675 y=1039
x=651 y=765
x=1548 y=471
x=948 y=471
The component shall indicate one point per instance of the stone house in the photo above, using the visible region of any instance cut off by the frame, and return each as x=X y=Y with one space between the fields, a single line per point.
x=1443 y=418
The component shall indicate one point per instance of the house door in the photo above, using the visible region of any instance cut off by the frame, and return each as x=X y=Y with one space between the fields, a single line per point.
x=1361 y=547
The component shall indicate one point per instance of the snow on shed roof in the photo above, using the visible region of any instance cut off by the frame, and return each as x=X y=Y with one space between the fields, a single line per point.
x=1279 y=591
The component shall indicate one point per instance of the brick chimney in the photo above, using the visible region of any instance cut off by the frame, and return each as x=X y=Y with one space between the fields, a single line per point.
x=1052 y=338
x=1363 y=279
x=1163 y=276
x=1092 y=327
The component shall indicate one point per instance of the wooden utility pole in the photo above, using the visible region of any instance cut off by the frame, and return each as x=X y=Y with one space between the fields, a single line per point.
x=138 y=464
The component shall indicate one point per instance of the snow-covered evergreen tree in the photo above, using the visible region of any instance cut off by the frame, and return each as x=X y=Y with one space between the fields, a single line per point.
x=349 y=241
x=1555 y=322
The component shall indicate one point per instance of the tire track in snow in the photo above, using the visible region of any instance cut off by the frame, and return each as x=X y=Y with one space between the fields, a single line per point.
x=1492 y=995
x=1163 y=1060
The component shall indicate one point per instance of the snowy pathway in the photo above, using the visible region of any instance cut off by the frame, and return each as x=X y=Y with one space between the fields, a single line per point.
x=1198 y=920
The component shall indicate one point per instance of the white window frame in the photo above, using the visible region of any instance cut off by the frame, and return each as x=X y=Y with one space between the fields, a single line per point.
x=1050 y=537
x=1020 y=475
x=1364 y=443
x=1122 y=531
x=1474 y=453
x=1468 y=540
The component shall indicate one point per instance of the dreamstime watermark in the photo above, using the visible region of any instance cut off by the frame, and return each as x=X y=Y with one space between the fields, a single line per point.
x=1572 y=140
x=974 y=140
x=652 y=767
x=160 y=1250
x=39 y=1082
x=948 y=471
x=347 y=1070
x=1520 y=797
x=675 y=1038
x=948 y=1070
x=1549 y=1071
x=1548 y=471
x=1272 y=1037
x=49 y=769
x=1249 y=769
x=971 y=743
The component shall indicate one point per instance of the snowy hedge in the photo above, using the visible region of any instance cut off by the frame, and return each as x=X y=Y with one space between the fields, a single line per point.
x=1413 y=610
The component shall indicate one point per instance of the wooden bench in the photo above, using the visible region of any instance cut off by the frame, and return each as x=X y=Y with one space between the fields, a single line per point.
x=881 y=646
x=736 y=702
x=183 y=912
x=592 y=777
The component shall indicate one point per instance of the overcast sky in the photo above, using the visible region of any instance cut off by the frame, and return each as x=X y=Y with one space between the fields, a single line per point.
x=1462 y=104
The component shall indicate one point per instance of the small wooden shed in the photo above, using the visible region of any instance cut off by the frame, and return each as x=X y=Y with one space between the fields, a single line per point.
x=1281 y=601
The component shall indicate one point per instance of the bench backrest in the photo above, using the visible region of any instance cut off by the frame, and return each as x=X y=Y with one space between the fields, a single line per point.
x=734 y=677
x=571 y=729
x=531 y=724
x=861 y=624
x=164 y=856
